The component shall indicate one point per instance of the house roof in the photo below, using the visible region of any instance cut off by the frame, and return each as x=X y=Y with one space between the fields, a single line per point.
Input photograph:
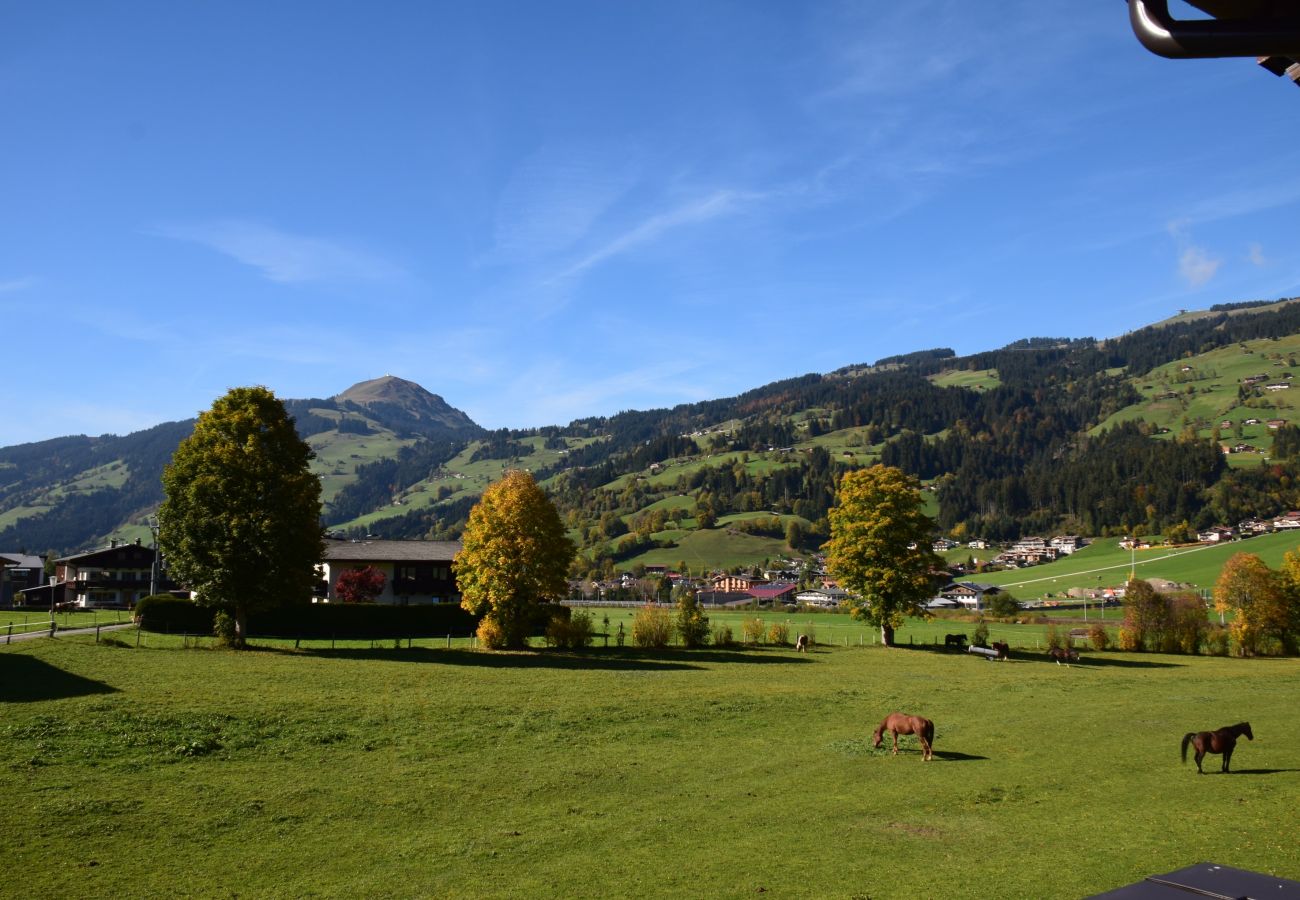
x=22 y=560
x=767 y=591
x=115 y=554
x=724 y=598
x=391 y=551
x=833 y=593
x=977 y=586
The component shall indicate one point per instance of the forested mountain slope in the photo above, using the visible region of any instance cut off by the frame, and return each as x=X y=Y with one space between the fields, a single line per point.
x=1045 y=434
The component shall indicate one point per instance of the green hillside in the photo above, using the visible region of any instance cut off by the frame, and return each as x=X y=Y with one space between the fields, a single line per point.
x=1207 y=390
x=1104 y=563
x=1043 y=435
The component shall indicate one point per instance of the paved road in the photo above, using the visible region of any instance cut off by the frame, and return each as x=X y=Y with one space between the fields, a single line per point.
x=45 y=632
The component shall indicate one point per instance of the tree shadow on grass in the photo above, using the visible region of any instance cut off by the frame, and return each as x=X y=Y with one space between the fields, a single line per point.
x=627 y=660
x=1103 y=662
x=25 y=679
x=1086 y=661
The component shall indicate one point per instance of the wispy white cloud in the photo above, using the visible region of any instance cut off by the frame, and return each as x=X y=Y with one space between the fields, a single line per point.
x=1255 y=256
x=1271 y=193
x=714 y=205
x=14 y=285
x=283 y=257
x=548 y=392
x=554 y=198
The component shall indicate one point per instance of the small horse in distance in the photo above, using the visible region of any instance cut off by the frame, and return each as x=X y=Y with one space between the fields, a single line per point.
x=1221 y=741
x=801 y=643
x=900 y=723
x=1003 y=649
x=1064 y=655
x=954 y=642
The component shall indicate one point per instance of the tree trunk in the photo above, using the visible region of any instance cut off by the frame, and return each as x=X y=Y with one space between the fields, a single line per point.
x=241 y=626
x=887 y=635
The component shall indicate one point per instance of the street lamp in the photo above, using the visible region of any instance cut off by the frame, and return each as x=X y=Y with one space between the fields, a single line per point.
x=153 y=565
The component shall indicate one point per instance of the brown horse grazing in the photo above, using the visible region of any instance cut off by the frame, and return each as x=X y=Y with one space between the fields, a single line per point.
x=1003 y=649
x=1221 y=741
x=901 y=723
x=1064 y=655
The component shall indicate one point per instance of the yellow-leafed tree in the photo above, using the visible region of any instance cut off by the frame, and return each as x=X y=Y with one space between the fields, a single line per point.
x=880 y=547
x=1258 y=598
x=515 y=556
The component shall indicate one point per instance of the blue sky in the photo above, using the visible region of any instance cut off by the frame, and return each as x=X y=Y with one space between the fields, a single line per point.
x=544 y=211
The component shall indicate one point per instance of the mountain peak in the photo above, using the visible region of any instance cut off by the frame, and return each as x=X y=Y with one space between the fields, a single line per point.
x=388 y=389
x=397 y=395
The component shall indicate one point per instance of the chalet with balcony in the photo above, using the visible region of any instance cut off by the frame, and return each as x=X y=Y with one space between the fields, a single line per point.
x=18 y=572
x=1251 y=527
x=1287 y=521
x=415 y=572
x=1214 y=535
x=1066 y=544
x=116 y=576
x=729 y=583
x=969 y=593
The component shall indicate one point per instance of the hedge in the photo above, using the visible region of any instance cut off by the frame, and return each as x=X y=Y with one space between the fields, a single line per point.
x=344 y=621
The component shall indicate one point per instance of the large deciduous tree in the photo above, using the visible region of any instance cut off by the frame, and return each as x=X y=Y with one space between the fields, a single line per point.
x=1258 y=599
x=880 y=547
x=515 y=555
x=240 y=522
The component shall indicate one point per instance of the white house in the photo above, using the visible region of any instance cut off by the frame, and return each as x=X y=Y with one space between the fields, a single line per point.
x=968 y=593
x=825 y=598
x=1067 y=543
x=414 y=571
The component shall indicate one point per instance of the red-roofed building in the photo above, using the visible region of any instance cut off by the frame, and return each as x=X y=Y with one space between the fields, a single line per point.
x=774 y=594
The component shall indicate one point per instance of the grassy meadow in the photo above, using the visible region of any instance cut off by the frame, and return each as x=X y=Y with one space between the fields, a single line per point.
x=164 y=771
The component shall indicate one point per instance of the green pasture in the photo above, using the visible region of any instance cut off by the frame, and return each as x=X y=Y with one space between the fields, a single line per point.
x=981 y=380
x=671 y=471
x=713 y=548
x=1104 y=563
x=1205 y=395
x=109 y=475
x=846 y=441
x=338 y=456
x=163 y=771
x=15 y=514
x=39 y=619
x=462 y=476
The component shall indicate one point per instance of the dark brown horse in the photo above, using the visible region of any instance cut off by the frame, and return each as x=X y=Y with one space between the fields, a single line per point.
x=1064 y=655
x=1222 y=741
x=901 y=723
